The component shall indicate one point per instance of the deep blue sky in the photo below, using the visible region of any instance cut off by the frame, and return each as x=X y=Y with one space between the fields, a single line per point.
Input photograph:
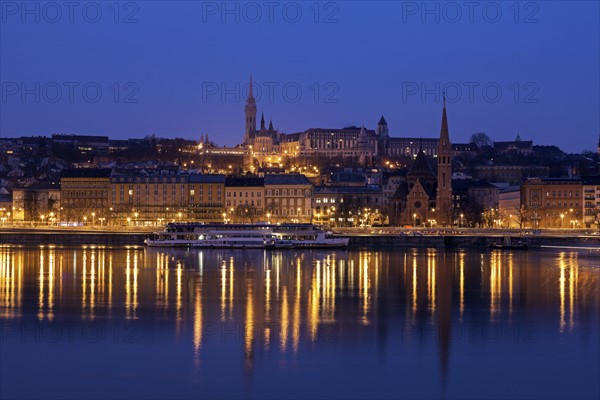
x=370 y=59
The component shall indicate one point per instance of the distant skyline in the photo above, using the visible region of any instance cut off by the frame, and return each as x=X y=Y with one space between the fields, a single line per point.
x=181 y=69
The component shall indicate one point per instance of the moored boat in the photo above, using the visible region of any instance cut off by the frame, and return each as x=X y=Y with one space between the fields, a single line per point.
x=509 y=244
x=267 y=236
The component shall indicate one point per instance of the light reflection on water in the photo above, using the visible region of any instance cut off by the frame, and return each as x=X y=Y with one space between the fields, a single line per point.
x=253 y=323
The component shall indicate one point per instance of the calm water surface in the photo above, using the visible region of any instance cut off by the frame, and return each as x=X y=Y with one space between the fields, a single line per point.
x=100 y=322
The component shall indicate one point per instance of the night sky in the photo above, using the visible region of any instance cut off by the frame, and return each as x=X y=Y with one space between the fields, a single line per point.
x=180 y=69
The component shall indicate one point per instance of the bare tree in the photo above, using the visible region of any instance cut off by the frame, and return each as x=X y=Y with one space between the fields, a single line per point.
x=521 y=215
x=481 y=139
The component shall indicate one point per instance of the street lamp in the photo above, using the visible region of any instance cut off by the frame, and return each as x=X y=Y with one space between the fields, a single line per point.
x=414 y=220
x=93 y=218
x=562 y=218
x=136 y=216
x=179 y=215
x=84 y=220
x=461 y=219
x=224 y=217
x=268 y=218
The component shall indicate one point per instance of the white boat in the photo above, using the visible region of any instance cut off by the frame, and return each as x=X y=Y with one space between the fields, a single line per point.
x=262 y=236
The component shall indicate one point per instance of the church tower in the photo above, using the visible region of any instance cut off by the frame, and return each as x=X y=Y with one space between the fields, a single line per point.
x=250 y=114
x=382 y=128
x=444 y=174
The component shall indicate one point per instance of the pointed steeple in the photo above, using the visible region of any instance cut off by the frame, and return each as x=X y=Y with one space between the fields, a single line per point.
x=250 y=110
x=382 y=121
x=444 y=130
x=444 y=174
x=270 y=124
x=518 y=138
x=262 y=121
x=250 y=90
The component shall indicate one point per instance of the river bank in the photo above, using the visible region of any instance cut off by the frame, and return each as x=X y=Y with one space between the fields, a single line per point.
x=359 y=238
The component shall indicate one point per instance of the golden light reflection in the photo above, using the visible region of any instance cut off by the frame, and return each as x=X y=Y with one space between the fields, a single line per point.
x=301 y=294
x=461 y=265
x=364 y=287
x=92 y=283
x=41 y=285
x=296 y=317
x=414 y=284
x=223 y=290
x=178 y=300
x=561 y=282
x=573 y=280
x=197 y=319
x=110 y=282
x=313 y=306
x=51 y=276
x=231 y=287
x=285 y=322
x=510 y=285
x=11 y=282
x=495 y=284
x=249 y=325
x=431 y=280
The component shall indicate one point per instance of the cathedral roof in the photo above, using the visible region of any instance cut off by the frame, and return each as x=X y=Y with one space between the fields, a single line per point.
x=421 y=167
x=401 y=191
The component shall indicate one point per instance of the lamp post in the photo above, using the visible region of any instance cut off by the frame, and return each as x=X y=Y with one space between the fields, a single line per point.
x=93 y=218
x=414 y=220
x=136 y=216
x=268 y=218
x=179 y=215
x=562 y=218
x=84 y=220
x=461 y=219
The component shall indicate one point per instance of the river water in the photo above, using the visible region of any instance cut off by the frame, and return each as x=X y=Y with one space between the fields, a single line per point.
x=98 y=322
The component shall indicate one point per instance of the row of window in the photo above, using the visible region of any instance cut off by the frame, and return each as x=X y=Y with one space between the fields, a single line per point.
x=560 y=194
x=244 y=202
x=87 y=202
x=82 y=184
x=241 y=194
x=85 y=194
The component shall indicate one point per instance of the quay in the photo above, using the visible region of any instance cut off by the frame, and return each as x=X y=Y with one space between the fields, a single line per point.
x=360 y=238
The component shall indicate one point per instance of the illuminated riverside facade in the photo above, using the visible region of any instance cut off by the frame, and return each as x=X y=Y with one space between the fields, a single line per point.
x=553 y=203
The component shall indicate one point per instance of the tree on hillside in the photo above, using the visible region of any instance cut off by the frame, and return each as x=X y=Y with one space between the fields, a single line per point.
x=481 y=139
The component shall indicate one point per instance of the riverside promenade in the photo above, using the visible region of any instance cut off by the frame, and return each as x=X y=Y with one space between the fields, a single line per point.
x=360 y=237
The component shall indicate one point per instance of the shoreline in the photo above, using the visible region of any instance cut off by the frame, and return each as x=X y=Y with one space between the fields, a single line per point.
x=360 y=238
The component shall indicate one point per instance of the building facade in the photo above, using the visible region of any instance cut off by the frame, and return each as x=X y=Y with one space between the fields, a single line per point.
x=553 y=202
x=288 y=198
x=591 y=201
x=84 y=194
x=244 y=199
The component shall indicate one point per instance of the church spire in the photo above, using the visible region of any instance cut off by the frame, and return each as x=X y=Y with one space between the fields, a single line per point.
x=444 y=130
x=270 y=124
x=444 y=174
x=250 y=90
x=250 y=110
x=262 y=121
